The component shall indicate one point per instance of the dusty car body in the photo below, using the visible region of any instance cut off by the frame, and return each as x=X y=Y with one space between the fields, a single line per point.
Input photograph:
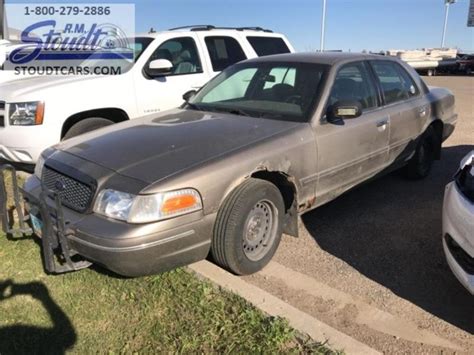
x=458 y=223
x=305 y=134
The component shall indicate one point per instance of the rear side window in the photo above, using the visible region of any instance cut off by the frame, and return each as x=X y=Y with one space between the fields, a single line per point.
x=268 y=45
x=224 y=51
x=396 y=84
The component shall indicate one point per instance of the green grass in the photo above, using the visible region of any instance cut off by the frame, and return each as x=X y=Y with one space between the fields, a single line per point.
x=93 y=311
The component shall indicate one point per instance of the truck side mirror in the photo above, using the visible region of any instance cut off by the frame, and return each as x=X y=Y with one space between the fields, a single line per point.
x=159 y=67
x=189 y=95
x=344 y=109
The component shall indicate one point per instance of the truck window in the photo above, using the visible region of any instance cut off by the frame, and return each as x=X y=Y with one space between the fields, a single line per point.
x=268 y=45
x=224 y=51
x=182 y=53
x=393 y=85
x=353 y=82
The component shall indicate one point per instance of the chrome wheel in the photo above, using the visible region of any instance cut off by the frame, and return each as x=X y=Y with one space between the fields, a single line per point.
x=260 y=230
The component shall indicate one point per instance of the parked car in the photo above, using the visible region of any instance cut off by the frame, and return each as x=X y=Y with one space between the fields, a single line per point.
x=229 y=172
x=458 y=223
x=466 y=63
x=38 y=112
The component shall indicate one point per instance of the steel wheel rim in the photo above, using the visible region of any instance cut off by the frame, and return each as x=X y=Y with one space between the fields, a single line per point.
x=260 y=230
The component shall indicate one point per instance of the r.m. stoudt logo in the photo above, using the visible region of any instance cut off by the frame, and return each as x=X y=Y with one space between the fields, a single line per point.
x=42 y=41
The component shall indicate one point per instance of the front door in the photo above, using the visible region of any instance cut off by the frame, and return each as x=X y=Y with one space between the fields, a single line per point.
x=164 y=92
x=352 y=152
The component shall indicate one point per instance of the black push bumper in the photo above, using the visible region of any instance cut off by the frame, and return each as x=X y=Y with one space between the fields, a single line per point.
x=70 y=241
x=57 y=255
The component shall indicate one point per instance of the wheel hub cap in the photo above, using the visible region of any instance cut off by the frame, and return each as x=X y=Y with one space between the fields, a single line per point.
x=260 y=230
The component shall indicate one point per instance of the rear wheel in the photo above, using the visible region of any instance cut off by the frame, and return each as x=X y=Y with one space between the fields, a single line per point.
x=420 y=164
x=87 y=125
x=248 y=227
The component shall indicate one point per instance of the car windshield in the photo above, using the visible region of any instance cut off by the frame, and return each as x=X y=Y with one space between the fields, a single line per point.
x=286 y=91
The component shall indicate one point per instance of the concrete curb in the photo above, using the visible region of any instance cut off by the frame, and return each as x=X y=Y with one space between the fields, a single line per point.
x=274 y=306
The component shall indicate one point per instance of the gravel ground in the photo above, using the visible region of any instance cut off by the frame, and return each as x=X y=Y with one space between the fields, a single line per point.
x=381 y=243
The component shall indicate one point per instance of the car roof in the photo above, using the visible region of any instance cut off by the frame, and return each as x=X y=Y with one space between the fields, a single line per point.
x=329 y=58
x=210 y=29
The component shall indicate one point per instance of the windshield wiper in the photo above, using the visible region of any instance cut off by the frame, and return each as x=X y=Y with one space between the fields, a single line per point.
x=194 y=107
x=235 y=111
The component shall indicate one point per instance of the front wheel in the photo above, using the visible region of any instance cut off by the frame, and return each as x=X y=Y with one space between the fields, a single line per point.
x=87 y=125
x=248 y=227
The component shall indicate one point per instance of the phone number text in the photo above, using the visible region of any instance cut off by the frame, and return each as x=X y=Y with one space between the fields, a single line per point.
x=67 y=10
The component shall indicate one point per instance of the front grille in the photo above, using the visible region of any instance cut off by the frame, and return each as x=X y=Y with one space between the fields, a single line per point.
x=465 y=181
x=2 y=114
x=462 y=258
x=73 y=193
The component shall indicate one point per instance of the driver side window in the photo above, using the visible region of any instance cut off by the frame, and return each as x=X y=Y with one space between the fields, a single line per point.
x=353 y=83
x=182 y=53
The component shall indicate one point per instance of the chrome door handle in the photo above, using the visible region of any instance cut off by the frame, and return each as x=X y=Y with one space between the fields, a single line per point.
x=382 y=123
x=422 y=112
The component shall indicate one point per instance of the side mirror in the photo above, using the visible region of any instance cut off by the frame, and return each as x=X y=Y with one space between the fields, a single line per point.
x=189 y=95
x=160 y=67
x=344 y=109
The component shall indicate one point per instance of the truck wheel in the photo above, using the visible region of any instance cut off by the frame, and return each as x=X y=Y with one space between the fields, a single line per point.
x=248 y=227
x=87 y=125
x=468 y=71
x=420 y=164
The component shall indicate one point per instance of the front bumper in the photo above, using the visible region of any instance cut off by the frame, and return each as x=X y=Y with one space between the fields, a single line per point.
x=127 y=249
x=24 y=144
x=458 y=235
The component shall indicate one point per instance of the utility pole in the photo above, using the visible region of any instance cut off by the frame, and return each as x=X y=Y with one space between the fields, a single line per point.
x=447 y=3
x=2 y=18
x=323 y=26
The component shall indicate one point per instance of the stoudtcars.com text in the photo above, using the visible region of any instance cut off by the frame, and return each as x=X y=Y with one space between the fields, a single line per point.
x=67 y=70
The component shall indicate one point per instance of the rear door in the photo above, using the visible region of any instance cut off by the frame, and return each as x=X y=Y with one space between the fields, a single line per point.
x=222 y=51
x=407 y=107
x=358 y=149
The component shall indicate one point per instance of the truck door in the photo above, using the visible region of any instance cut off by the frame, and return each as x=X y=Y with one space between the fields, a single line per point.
x=222 y=50
x=162 y=92
x=351 y=152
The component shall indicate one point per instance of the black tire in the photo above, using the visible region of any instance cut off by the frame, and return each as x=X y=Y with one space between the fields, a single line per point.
x=242 y=227
x=87 y=125
x=420 y=164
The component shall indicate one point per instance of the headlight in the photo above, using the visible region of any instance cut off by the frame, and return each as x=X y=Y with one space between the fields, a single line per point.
x=147 y=208
x=26 y=113
x=39 y=167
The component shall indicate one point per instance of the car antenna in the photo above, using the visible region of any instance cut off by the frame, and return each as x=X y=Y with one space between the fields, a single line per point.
x=152 y=30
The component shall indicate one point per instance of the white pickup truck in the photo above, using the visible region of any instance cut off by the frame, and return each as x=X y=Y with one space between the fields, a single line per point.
x=37 y=112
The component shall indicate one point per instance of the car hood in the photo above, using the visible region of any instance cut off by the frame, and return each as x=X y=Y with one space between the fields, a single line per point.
x=155 y=147
x=15 y=86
